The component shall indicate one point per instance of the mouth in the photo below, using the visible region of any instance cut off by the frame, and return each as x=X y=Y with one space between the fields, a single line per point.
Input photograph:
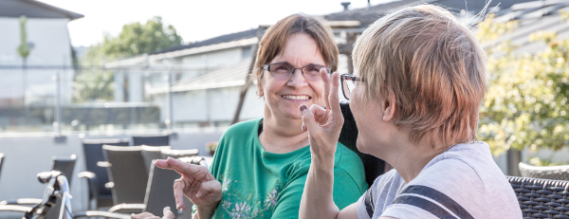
x=296 y=97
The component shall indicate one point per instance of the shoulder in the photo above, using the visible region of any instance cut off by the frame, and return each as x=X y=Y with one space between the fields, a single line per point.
x=244 y=128
x=380 y=195
x=347 y=159
x=349 y=162
x=458 y=183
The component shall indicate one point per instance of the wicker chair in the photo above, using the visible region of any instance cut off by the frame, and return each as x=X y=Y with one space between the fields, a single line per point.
x=545 y=172
x=54 y=204
x=179 y=153
x=150 y=153
x=127 y=173
x=541 y=198
x=159 y=194
x=160 y=140
x=373 y=166
x=65 y=166
x=96 y=171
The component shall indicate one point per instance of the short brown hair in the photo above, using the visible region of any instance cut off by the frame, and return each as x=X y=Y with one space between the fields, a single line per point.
x=277 y=35
x=434 y=66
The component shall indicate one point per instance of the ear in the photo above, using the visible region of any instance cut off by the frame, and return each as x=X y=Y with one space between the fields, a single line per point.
x=389 y=106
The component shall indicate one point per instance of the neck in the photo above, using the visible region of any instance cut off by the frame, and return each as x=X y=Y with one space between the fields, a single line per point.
x=411 y=158
x=282 y=135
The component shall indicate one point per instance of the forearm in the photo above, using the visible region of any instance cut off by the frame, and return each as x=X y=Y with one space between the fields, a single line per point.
x=204 y=212
x=317 y=200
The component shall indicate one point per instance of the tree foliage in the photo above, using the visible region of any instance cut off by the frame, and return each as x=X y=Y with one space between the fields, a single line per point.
x=134 y=39
x=525 y=105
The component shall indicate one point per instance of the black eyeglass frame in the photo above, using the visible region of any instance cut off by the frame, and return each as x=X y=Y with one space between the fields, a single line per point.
x=267 y=67
x=345 y=89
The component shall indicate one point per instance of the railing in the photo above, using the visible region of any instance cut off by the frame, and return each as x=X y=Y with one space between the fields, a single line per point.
x=96 y=99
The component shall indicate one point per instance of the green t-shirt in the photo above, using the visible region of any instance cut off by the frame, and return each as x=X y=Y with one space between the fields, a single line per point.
x=260 y=184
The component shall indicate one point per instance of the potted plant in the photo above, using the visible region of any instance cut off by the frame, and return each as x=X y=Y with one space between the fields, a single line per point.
x=211 y=147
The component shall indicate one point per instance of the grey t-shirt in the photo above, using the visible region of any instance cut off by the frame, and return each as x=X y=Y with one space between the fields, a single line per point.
x=462 y=182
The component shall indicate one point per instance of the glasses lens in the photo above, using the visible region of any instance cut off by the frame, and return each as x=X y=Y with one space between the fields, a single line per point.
x=312 y=72
x=280 y=70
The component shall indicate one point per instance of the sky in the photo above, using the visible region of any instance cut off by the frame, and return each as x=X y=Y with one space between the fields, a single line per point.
x=195 y=20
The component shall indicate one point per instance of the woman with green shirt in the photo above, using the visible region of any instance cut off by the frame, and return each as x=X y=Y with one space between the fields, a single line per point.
x=260 y=166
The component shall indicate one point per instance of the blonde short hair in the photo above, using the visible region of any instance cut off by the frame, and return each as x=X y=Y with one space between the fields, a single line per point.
x=433 y=65
x=275 y=38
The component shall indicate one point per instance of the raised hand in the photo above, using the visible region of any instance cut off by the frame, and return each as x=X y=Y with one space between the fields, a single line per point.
x=196 y=183
x=324 y=125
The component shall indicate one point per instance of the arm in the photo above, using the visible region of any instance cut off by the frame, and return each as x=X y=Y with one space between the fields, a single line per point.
x=323 y=128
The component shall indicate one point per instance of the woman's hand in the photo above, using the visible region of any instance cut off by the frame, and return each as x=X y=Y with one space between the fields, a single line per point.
x=196 y=183
x=324 y=125
x=147 y=215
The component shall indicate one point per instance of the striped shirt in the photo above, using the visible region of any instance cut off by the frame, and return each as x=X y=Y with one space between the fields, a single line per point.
x=462 y=182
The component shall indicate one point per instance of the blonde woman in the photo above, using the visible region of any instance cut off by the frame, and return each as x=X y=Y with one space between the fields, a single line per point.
x=421 y=78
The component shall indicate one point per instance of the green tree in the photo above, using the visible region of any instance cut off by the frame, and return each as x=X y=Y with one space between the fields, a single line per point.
x=134 y=39
x=525 y=105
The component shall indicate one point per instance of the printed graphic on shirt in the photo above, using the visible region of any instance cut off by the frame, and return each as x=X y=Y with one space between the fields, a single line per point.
x=238 y=205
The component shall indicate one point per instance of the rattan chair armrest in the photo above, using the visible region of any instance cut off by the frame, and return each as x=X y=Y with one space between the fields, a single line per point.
x=109 y=185
x=105 y=214
x=16 y=208
x=93 y=181
x=22 y=201
x=104 y=164
x=120 y=207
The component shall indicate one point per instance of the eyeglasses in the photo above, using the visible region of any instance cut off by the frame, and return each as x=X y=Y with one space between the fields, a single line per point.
x=283 y=71
x=348 y=84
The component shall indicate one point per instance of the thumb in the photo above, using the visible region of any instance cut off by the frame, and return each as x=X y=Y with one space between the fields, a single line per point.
x=212 y=186
x=308 y=119
x=168 y=213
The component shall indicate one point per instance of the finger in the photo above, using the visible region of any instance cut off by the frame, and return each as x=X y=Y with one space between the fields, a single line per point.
x=308 y=119
x=319 y=113
x=212 y=186
x=179 y=187
x=334 y=98
x=185 y=169
x=168 y=214
x=163 y=164
x=326 y=80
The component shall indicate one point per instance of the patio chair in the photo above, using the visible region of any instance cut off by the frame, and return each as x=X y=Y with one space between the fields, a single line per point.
x=179 y=153
x=159 y=194
x=56 y=203
x=373 y=166
x=127 y=173
x=545 y=172
x=150 y=153
x=96 y=171
x=63 y=165
x=541 y=198
x=160 y=140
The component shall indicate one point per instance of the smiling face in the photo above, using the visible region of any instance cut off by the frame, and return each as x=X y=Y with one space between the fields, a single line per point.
x=284 y=96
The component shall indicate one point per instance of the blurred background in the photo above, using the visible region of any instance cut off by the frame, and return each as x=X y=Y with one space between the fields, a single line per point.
x=73 y=70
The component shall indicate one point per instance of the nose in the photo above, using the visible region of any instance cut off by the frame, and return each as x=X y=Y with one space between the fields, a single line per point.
x=297 y=79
